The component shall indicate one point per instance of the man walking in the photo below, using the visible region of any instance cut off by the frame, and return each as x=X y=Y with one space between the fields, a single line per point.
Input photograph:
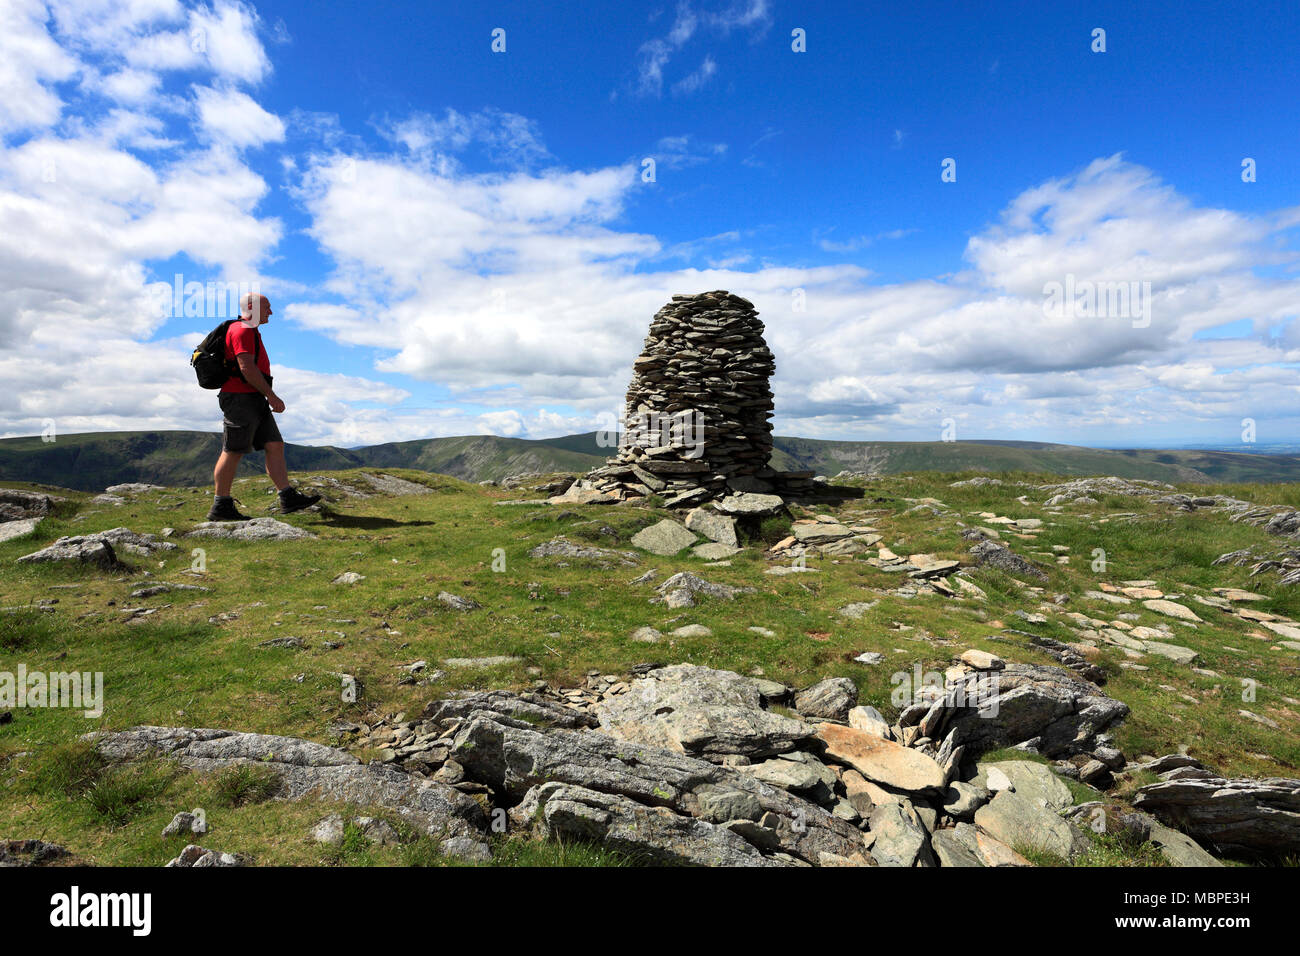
x=248 y=404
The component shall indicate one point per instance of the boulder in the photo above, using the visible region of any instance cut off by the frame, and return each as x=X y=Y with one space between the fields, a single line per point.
x=17 y=528
x=963 y=799
x=1175 y=652
x=1048 y=709
x=457 y=603
x=16 y=504
x=832 y=699
x=702 y=712
x=1034 y=781
x=563 y=548
x=899 y=840
x=751 y=505
x=81 y=550
x=693 y=584
x=989 y=850
x=870 y=720
x=982 y=660
x=715 y=527
x=996 y=555
x=196 y=856
x=951 y=851
x=713 y=551
x=1018 y=821
x=665 y=538
x=1171 y=609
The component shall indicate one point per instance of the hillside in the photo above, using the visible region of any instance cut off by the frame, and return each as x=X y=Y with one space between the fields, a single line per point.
x=92 y=461
x=406 y=588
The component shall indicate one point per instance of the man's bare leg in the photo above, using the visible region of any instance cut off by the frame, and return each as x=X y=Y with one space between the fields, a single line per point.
x=276 y=469
x=223 y=476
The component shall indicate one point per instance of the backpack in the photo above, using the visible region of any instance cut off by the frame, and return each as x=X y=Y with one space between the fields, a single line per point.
x=209 y=359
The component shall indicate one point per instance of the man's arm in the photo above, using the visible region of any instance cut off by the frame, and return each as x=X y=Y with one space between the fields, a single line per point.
x=253 y=376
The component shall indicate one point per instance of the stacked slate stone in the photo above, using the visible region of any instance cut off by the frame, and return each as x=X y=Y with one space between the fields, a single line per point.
x=696 y=422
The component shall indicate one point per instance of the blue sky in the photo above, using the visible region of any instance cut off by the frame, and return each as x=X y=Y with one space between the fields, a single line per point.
x=461 y=241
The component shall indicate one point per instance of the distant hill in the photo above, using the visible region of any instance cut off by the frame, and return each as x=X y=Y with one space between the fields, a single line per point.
x=94 y=460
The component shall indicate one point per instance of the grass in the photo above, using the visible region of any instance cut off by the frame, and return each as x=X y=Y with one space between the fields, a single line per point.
x=244 y=784
x=185 y=666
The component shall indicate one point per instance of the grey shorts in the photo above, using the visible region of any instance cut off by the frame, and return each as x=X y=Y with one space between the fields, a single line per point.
x=248 y=423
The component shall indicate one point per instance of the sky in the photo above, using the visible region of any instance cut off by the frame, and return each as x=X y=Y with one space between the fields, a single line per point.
x=956 y=220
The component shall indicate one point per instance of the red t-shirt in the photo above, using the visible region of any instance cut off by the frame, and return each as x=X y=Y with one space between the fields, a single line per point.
x=240 y=339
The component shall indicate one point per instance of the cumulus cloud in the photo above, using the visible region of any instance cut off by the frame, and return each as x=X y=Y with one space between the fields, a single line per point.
x=488 y=301
x=234 y=118
x=30 y=59
x=520 y=297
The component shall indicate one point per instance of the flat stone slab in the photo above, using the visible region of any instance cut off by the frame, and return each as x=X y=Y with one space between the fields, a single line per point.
x=666 y=538
x=751 y=504
x=1171 y=609
x=16 y=529
x=255 y=529
x=1175 y=652
x=882 y=761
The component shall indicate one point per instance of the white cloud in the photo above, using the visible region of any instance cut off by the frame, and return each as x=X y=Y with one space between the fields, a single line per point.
x=526 y=293
x=654 y=55
x=862 y=358
x=697 y=80
x=228 y=36
x=235 y=119
x=505 y=138
x=131 y=86
x=29 y=59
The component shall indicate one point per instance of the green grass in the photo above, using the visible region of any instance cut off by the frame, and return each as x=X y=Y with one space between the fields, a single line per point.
x=178 y=668
x=244 y=784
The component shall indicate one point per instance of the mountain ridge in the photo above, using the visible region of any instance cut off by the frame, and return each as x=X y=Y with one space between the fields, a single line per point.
x=91 y=461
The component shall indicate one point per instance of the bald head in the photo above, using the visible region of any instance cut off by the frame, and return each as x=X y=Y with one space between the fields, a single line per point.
x=254 y=309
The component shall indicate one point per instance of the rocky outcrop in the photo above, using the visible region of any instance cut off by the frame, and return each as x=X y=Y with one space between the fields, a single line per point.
x=514 y=757
x=1259 y=818
x=701 y=712
x=1044 y=709
x=30 y=853
x=304 y=769
x=16 y=505
x=646 y=834
x=99 y=550
x=996 y=555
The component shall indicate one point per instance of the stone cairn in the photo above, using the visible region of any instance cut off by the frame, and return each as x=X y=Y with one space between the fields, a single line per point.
x=696 y=421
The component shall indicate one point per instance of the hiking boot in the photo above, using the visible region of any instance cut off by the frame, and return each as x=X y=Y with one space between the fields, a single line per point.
x=223 y=509
x=291 y=500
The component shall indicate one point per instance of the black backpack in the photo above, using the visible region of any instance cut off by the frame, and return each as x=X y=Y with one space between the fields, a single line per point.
x=209 y=359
